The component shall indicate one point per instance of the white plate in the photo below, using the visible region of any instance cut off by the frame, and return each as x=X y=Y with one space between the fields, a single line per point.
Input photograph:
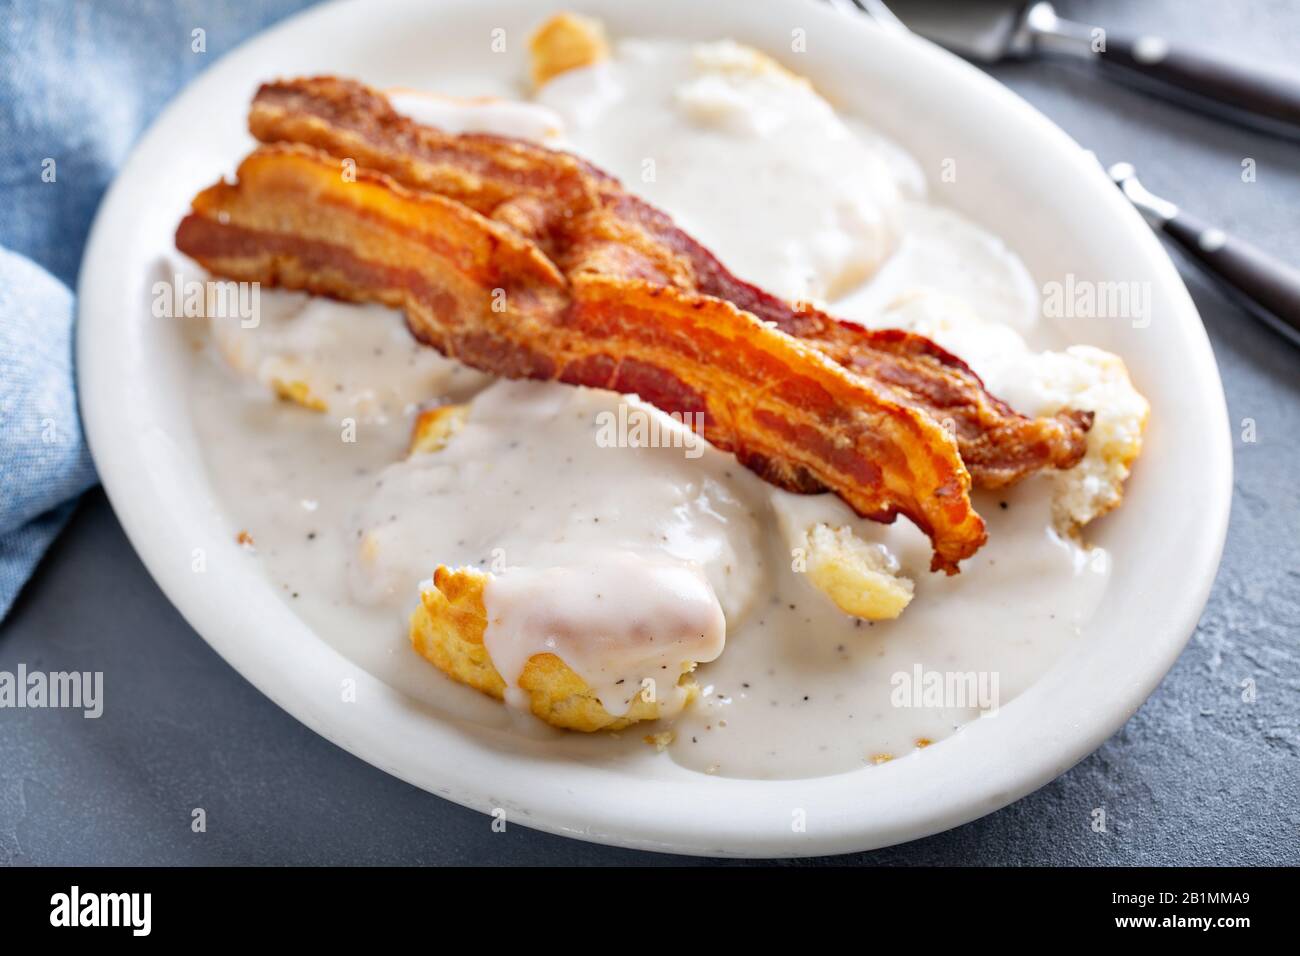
x=1017 y=173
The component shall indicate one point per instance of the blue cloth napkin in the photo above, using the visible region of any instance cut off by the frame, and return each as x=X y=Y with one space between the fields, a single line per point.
x=78 y=83
x=44 y=462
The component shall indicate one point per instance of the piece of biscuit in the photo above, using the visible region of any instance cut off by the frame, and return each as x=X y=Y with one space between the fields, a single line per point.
x=861 y=579
x=1099 y=380
x=566 y=42
x=434 y=427
x=300 y=393
x=448 y=627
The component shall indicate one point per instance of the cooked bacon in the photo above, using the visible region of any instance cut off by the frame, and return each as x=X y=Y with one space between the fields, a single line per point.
x=590 y=225
x=530 y=188
x=478 y=291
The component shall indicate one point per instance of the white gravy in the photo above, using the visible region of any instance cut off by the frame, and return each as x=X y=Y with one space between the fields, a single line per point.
x=596 y=550
x=624 y=624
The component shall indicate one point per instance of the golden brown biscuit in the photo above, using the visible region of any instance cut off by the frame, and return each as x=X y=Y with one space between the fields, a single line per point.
x=860 y=579
x=447 y=630
x=566 y=42
x=434 y=427
x=1095 y=486
x=300 y=393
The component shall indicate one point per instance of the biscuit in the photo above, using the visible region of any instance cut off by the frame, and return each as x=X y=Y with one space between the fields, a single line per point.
x=448 y=627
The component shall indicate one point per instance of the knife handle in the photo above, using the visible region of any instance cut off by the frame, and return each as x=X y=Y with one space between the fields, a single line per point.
x=1263 y=280
x=1267 y=287
x=1260 y=91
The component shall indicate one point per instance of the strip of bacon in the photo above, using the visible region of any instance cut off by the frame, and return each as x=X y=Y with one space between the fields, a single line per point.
x=530 y=188
x=476 y=290
x=590 y=225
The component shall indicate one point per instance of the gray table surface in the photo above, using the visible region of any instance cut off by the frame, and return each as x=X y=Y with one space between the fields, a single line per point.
x=1197 y=776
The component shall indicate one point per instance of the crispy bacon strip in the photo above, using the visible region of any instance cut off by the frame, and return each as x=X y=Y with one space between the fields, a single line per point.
x=783 y=408
x=530 y=188
x=590 y=225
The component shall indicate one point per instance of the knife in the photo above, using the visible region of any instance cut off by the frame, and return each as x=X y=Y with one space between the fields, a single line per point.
x=988 y=31
x=1268 y=288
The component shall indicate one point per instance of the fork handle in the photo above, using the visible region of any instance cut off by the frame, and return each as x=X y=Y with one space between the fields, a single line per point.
x=1263 y=281
x=1260 y=91
x=1267 y=287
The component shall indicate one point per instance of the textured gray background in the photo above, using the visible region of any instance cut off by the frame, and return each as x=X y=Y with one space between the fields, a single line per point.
x=1197 y=776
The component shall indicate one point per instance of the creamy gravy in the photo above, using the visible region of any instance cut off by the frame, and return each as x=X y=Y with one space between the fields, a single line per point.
x=347 y=526
x=747 y=158
x=626 y=625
